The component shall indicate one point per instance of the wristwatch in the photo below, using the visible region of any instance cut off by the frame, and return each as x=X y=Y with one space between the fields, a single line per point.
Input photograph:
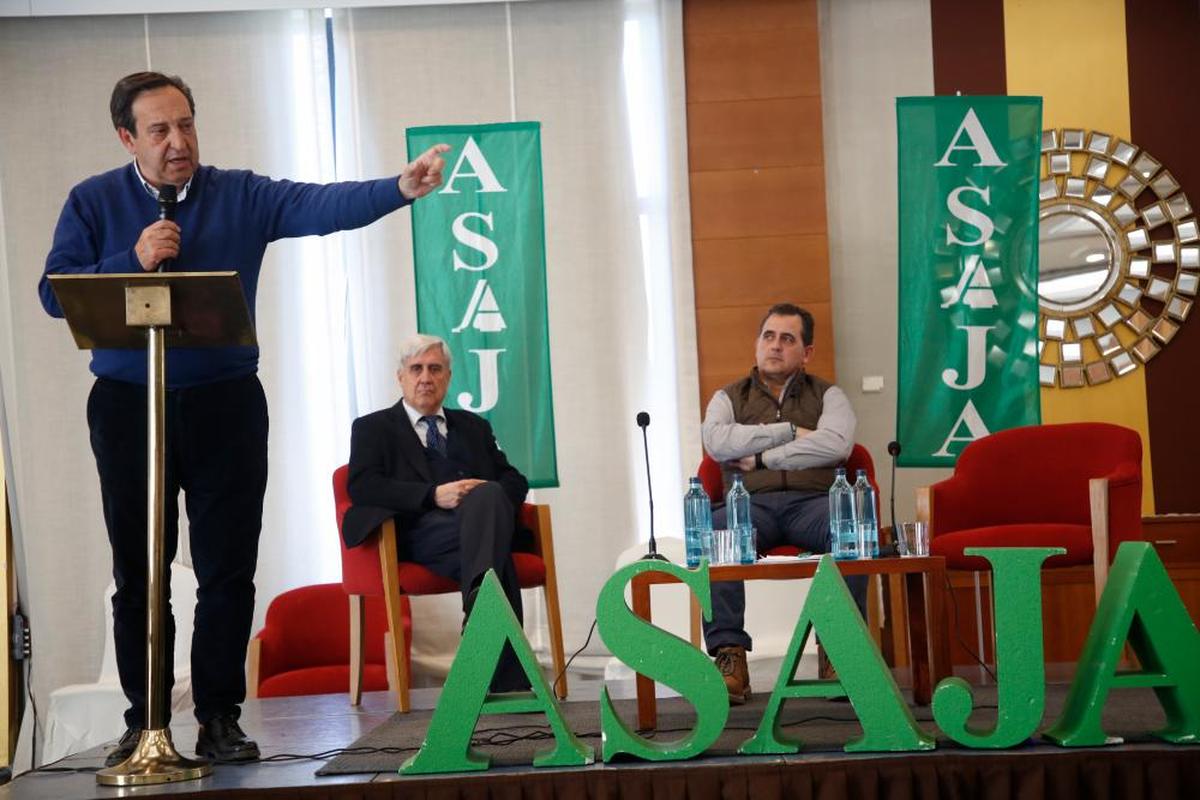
x=758 y=461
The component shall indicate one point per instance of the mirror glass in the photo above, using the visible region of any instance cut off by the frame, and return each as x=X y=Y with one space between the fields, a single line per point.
x=1077 y=258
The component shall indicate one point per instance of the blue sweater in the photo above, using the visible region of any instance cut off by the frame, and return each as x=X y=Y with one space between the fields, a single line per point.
x=226 y=222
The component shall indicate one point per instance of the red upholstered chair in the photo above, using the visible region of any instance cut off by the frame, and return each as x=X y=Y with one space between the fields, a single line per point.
x=304 y=647
x=373 y=569
x=1077 y=486
x=709 y=473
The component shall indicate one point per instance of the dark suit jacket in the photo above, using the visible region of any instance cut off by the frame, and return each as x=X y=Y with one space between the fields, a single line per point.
x=389 y=473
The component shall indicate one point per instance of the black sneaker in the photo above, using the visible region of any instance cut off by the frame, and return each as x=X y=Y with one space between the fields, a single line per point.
x=222 y=739
x=125 y=747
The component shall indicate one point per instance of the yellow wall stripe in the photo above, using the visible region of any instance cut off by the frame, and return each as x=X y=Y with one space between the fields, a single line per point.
x=1072 y=53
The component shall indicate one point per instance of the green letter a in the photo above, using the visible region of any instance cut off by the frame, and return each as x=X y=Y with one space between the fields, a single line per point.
x=447 y=746
x=887 y=722
x=1141 y=606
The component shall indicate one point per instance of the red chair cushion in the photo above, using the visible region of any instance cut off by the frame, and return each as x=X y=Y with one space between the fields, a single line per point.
x=360 y=565
x=417 y=579
x=1076 y=538
x=304 y=646
x=322 y=680
x=531 y=570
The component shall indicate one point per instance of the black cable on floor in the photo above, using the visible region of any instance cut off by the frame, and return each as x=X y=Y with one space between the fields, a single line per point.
x=567 y=666
x=958 y=636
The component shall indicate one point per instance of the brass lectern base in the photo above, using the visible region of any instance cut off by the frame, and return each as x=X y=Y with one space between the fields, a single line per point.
x=155 y=760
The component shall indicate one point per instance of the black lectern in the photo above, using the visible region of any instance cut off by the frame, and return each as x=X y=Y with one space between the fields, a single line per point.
x=151 y=311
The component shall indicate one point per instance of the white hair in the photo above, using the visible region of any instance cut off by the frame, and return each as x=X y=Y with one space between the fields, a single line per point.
x=418 y=344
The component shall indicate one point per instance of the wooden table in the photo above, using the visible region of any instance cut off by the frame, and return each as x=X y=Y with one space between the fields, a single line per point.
x=924 y=585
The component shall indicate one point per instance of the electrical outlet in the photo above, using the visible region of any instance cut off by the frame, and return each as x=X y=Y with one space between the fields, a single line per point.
x=19 y=643
x=872 y=383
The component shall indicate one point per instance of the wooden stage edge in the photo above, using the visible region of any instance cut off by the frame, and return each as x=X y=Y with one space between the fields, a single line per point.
x=307 y=725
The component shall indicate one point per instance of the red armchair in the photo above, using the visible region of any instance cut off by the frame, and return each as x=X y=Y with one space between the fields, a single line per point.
x=709 y=473
x=373 y=569
x=304 y=646
x=1077 y=485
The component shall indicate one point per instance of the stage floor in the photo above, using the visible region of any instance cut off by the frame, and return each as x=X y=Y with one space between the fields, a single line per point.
x=313 y=725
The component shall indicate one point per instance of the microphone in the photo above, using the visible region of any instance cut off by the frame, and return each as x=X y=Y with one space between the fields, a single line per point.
x=893 y=451
x=166 y=210
x=643 y=421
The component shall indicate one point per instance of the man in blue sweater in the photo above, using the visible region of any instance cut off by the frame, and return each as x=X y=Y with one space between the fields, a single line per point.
x=216 y=412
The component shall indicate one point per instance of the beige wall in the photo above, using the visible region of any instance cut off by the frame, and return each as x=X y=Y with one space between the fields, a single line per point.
x=872 y=51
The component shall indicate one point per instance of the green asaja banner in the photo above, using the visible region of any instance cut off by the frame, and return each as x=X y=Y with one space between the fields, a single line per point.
x=479 y=244
x=968 y=353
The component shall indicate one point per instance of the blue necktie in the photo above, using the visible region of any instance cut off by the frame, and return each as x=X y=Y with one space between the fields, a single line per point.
x=433 y=437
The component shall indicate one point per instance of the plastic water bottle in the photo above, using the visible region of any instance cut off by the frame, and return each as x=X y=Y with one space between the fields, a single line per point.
x=843 y=527
x=868 y=524
x=697 y=524
x=737 y=518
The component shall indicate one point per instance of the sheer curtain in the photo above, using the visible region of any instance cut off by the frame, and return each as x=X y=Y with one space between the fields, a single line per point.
x=261 y=86
x=605 y=79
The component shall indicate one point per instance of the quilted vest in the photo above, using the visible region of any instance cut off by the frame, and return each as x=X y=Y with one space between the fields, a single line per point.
x=802 y=403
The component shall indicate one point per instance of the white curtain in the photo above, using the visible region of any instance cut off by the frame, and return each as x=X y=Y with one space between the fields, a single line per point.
x=605 y=79
x=261 y=86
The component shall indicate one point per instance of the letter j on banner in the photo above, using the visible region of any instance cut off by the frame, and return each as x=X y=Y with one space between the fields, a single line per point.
x=968 y=355
x=479 y=244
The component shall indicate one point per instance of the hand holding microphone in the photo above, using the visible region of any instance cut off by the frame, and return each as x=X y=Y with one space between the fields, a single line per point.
x=158 y=246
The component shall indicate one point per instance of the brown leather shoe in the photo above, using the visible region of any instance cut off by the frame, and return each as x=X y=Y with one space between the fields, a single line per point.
x=731 y=661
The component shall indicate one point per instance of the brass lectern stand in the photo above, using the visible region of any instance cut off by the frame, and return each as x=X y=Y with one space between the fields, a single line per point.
x=152 y=311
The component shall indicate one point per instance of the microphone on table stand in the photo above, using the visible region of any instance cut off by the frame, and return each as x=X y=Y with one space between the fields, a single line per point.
x=643 y=421
x=893 y=449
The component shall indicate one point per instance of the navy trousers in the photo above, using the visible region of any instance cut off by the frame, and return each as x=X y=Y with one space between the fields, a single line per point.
x=796 y=518
x=216 y=453
x=463 y=544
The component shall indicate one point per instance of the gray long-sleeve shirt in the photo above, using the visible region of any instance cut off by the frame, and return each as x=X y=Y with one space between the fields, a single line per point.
x=725 y=439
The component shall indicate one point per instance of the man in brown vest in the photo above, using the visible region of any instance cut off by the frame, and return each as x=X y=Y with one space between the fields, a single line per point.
x=785 y=431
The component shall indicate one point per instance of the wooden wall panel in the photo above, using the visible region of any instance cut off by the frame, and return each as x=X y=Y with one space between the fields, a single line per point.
x=734 y=134
x=728 y=204
x=756 y=167
x=794 y=266
x=750 y=64
x=751 y=15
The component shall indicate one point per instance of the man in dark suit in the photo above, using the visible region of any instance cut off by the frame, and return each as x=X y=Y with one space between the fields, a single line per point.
x=441 y=475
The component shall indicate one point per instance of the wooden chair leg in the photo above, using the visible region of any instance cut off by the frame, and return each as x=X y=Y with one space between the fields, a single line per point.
x=1098 y=500
x=553 y=614
x=388 y=565
x=695 y=623
x=356 y=649
x=253 y=660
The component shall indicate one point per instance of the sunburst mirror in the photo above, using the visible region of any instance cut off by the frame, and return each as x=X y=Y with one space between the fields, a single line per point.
x=1119 y=257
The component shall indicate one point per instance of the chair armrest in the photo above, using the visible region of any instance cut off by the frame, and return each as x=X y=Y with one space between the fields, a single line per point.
x=949 y=497
x=537 y=516
x=1124 y=505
